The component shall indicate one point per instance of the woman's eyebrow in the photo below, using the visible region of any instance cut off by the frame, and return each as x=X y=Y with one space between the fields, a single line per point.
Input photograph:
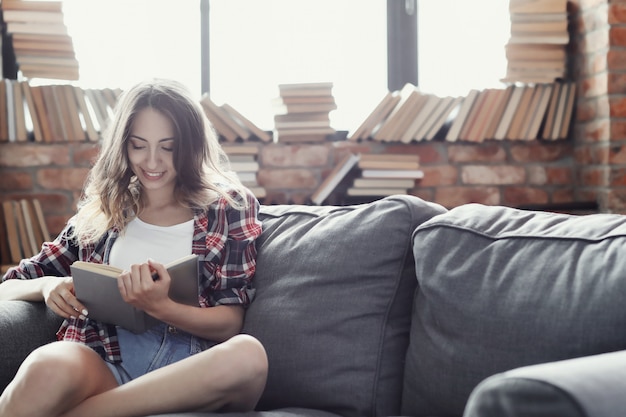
x=146 y=140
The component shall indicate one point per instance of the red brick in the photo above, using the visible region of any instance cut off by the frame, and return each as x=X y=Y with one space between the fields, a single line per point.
x=541 y=151
x=592 y=155
x=295 y=155
x=56 y=223
x=295 y=179
x=455 y=196
x=488 y=152
x=542 y=175
x=427 y=194
x=16 y=181
x=617 y=36
x=617 y=154
x=494 y=175
x=617 y=177
x=617 y=13
x=593 y=86
x=62 y=178
x=430 y=153
x=617 y=106
x=440 y=175
x=618 y=130
x=33 y=155
x=616 y=83
x=86 y=154
x=519 y=196
x=563 y=195
x=594 y=176
x=616 y=59
x=595 y=131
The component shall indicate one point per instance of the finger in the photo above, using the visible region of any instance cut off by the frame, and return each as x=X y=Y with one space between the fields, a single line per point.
x=146 y=279
x=70 y=303
x=159 y=269
x=124 y=283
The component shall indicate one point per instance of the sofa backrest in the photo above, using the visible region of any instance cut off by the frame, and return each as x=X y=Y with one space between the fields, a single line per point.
x=501 y=288
x=333 y=303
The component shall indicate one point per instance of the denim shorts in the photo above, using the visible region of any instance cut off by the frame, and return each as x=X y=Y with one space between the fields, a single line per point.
x=157 y=347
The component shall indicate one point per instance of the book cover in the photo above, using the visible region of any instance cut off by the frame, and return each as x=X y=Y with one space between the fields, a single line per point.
x=334 y=178
x=96 y=287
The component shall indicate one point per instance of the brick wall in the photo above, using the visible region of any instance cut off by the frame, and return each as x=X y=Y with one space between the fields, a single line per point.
x=591 y=166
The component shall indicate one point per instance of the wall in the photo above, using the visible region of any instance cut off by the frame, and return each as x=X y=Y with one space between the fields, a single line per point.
x=590 y=167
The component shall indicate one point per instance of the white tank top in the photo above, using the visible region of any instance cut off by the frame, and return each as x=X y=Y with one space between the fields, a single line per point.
x=141 y=241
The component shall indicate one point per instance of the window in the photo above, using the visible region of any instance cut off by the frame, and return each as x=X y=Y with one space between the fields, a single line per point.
x=121 y=42
x=258 y=44
x=461 y=45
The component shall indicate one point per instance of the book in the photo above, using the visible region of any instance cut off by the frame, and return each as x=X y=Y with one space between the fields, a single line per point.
x=96 y=287
x=525 y=108
x=392 y=173
x=376 y=116
x=21 y=133
x=457 y=124
x=389 y=123
x=422 y=120
x=85 y=115
x=375 y=192
x=390 y=164
x=334 y=178
x=537 y=6
x=31 y=112
x=247 y=123
x=474 y=114
x=509 y=112
x=4 y=131
x=540 y=113
x=568 y=111
x=546 y=132
x=499 y=107
x=446 y=108
x=404 y=183
x=9 y=209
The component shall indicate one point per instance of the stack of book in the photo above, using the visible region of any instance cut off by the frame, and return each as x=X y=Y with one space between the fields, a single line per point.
x=301 y=112
x=386 y=174
x=243 y=161
x=36 y=32
x=230 y=124
x=53 y=113
x=536 y=51
x=516 y=112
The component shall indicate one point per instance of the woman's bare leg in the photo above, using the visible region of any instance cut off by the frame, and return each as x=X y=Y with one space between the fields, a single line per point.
x=230 y=376
x=55 y=378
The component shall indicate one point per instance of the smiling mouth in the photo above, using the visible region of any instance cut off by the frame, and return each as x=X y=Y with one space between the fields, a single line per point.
x=153 y=175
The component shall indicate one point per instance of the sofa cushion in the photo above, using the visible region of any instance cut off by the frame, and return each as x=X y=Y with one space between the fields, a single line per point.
x=502 y=288
x=24 y=326
x=333 y=303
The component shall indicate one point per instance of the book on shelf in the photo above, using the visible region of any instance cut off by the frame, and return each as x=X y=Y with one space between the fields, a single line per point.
x=404 y=183
x=34 y=5
x=477 y=132
x=244 y=166
x=86 y=116
x=4 y=131
x=240 y=149
x=388 y=161
x=323 y=88
x=219 y=120
x=21 y=133
x=568 y=111
x=475 y=112
x=392 y=173
x=546 y=132
x=376 y=116
x=422 y=120
x=31 y=112
x=532 y=131
x=445 y=110
x=9 y=209
x=509 y=112
x=389 y=123
x=537 y=6
x=520 y=113
x=457 y=124
x=247 y=123
x=405 y=116
x=96 y=287
x=332 y=180
x=375 y=192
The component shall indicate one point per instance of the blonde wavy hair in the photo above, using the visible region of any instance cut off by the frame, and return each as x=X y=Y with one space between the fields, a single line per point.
x=112 y=195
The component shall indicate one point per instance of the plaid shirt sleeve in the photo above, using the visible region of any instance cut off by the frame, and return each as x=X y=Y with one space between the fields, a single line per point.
x=225 y=239
x=54 y=259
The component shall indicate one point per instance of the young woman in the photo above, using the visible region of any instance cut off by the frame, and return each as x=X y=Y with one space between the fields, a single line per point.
x=160 y=189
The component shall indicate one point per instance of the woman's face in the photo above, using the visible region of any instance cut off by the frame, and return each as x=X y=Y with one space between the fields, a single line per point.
x=151 y=150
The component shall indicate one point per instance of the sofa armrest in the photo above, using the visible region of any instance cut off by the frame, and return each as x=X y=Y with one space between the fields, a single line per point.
x=24 y=326
x=592 y=386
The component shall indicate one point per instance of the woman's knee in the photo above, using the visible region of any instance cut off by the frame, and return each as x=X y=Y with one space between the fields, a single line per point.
x=251 y=358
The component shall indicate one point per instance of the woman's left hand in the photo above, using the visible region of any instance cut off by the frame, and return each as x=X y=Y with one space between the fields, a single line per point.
x=139 y=288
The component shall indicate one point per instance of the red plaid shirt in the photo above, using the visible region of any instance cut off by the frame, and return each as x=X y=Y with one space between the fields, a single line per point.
x=224 y=239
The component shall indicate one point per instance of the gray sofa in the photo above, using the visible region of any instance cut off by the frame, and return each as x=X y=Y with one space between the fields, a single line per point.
x=400 y=307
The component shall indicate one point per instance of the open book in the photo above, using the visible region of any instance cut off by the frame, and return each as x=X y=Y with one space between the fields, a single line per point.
x=96 y=287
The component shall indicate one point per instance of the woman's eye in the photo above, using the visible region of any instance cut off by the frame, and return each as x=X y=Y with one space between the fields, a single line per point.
x=137 y=146
x=168 y=149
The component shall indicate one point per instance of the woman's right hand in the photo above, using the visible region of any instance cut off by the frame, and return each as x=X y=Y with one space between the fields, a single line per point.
x=58 y=294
